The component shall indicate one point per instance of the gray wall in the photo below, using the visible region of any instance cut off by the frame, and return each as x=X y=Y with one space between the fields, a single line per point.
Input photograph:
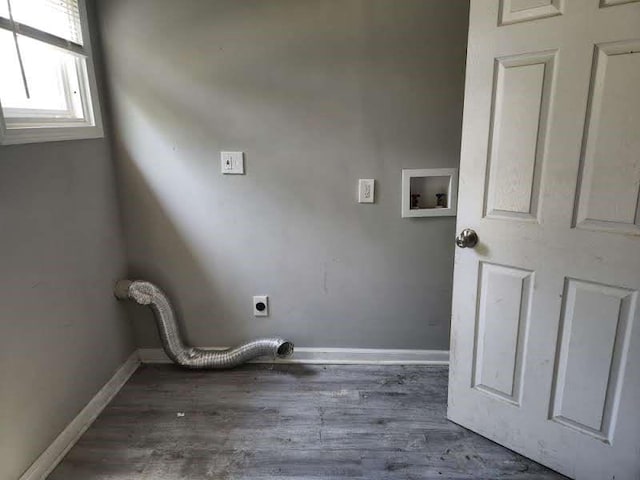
x=62 y=334
x=317 y=94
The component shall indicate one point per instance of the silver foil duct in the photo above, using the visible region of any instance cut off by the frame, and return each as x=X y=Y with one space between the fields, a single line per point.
x=146 y=293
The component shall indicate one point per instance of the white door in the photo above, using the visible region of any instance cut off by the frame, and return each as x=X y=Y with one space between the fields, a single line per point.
x=545 y=339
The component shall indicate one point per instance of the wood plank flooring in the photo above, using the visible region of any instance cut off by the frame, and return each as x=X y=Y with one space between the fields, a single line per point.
x=287 y=422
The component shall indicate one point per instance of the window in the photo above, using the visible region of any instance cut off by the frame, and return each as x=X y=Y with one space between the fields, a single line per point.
x=47 y=84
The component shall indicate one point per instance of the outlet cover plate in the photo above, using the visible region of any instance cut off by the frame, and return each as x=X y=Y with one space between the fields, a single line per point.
x=257 y=300
x=232 y=163
x=366 y=190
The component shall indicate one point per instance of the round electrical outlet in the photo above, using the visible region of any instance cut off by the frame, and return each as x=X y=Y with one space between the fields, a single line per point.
x=261 y=306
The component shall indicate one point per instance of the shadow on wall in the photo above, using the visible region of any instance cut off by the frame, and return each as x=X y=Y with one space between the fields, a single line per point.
x=344 y=91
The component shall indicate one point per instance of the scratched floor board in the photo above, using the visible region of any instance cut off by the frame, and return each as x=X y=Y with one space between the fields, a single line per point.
x=287 y=422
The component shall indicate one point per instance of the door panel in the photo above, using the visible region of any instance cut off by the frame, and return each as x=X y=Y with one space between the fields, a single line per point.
x=545 y=343
x=594 y=342
x=520 y=108
x=503 y=314
x=512 y=11
x=610 y=170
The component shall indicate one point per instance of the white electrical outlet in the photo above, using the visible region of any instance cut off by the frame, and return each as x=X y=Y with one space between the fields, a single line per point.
x=232 y=163
x=366 y=190
x=261 y=306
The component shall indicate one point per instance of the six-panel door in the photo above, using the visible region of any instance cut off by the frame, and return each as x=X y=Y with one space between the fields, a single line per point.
x=545 y=341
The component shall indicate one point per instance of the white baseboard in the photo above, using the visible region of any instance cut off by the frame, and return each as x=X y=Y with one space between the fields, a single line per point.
x=48 y=460
x=335 y=356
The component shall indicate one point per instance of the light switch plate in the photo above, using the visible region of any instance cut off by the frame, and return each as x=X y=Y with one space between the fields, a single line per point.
x=232 y=163
x=366 y=190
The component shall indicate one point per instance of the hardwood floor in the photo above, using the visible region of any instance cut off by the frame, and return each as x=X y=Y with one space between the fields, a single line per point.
x=287 y=422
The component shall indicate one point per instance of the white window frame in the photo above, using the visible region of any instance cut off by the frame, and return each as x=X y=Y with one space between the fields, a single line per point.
x=33 y=130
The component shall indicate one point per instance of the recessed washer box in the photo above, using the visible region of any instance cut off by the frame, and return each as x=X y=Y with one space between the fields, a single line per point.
x=429 y=192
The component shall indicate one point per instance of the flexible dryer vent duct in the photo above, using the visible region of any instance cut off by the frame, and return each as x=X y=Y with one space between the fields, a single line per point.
x=146 y=293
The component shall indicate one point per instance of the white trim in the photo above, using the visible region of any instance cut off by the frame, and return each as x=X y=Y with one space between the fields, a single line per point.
x=48 y=460
x=91 y=125
x=49 y=134
x=334 y=356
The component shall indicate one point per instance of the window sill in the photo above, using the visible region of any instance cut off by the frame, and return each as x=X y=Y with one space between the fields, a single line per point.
x=48 y=134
